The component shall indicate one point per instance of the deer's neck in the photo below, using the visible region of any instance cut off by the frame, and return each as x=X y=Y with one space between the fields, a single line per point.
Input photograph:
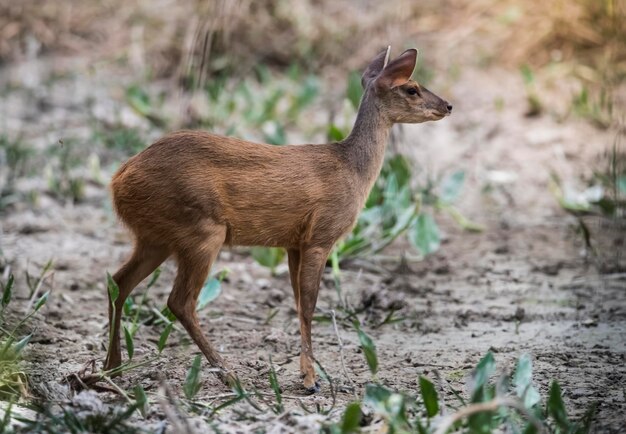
x=364 y=148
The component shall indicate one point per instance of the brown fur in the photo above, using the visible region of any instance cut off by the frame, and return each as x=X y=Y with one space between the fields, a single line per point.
x=192 y=192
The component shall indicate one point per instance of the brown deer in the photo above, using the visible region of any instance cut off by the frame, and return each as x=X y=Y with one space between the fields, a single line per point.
x=192 y=192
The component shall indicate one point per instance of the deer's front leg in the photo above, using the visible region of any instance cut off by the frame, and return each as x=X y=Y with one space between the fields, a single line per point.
x=312 y=261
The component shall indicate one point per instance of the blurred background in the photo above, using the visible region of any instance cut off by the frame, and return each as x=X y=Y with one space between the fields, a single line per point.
x=525 y=183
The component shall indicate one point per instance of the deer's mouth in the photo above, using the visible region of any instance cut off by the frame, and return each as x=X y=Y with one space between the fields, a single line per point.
x=436 y=115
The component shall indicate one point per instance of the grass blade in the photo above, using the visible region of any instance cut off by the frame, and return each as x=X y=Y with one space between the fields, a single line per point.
x=192 y=381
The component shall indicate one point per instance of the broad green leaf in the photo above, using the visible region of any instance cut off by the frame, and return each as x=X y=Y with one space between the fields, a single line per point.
x=19 y=345
x=424 y=234
x=556 y=408
x=523 y=382
x=482 y=422
x=401 y=169
x=269 y=257
x=390 y=405
x=429 y=395
x=355 y=90
x=369 y=350
x=42 y=300
x=128 y=306
x=451 y=186
x=376 y=397
x=485 y=369
x=210 y=291
x=130 y=346
x=351 y=418
x=141 y=400
x=114 y=290
x=192 y=381
x=163 y=338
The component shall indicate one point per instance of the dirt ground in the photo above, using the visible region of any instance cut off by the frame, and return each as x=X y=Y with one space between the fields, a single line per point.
x=524 y=285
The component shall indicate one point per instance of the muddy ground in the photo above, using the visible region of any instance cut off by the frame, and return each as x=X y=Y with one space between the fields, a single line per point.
x=524 y=285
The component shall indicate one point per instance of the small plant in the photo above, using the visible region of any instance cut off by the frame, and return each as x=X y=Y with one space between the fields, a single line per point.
x=14 y=155
x=535 y=107
x=512 y=405
x=127 y=141
x=270 y=257
x=63 y=172
x=192 y=381
x=394 y=208
x=13 y=380
x=598 y=109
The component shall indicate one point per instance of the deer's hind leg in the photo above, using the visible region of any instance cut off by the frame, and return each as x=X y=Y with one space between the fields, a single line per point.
x=145 y=259
x=194 y=264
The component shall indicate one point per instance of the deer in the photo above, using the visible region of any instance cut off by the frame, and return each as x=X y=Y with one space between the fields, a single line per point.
x=192 y=192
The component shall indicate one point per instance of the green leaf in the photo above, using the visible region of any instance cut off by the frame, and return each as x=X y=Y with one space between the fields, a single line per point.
x=424 y=234
x=130 y=346
x=527 y=75
x=139 y=100
x=334 y=133
x=485 y=369
x=523 y=382
x=42 y=300
x=451 y=186
x=621 y=184
x=351 y=418
x=276 y=388
x=114 y=290
x=556 y=408
x=155 y=277
x=276 y=136
x=269 y=257
x=429 y=395
x=19 y=345
x=7 y=291
x=192 y=381
x=376 y=396
x=163 y=338
x=369 y=350
x=128 y=306
x=209 y=292
x=355 y=90
x=141 y=400
x=390 y=405
x=584 y=425
x=401 y=169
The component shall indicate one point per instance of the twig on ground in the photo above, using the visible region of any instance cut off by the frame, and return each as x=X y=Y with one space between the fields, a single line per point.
x=448 y=421
x=165 y=401
x=341 y=356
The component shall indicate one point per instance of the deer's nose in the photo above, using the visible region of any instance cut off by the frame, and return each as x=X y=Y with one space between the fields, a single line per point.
x=449 y=107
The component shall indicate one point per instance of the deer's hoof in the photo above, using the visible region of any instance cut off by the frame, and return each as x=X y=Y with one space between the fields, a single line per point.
x=313 y=389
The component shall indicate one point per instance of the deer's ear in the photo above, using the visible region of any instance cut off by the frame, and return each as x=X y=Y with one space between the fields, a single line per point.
x=375 y=67
x=399 y=70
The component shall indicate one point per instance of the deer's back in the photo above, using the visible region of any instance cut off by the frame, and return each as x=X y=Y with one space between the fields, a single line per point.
x=263 y=194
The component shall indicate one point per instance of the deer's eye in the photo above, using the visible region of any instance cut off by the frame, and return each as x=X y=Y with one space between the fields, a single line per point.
x=412 y=91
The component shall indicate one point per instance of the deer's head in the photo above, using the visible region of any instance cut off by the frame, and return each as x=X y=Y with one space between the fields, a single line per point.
x=400 y=99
